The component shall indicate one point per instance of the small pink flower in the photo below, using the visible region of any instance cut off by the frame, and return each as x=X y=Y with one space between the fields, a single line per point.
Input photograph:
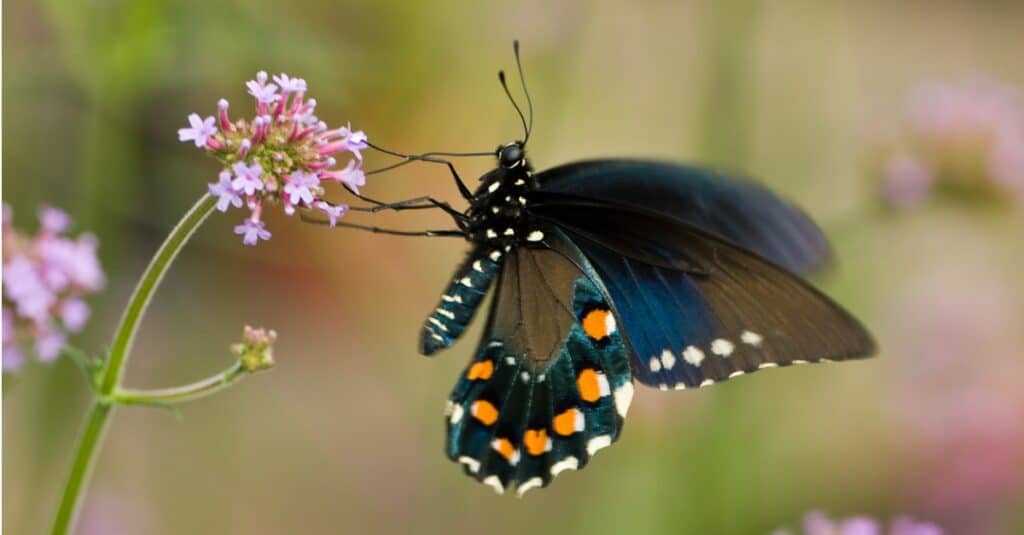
x=73 y=314
x=300 y=187
x=263 y=92
x=290 y=85
x=252 y=232
x=199 y=131
x=225 y=192
x=333 y=211
x=352 y=176
x=248 y=178
x=53 y=220
x=49 y=344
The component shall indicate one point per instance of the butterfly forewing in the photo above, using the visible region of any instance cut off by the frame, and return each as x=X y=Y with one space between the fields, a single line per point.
x=735 y=314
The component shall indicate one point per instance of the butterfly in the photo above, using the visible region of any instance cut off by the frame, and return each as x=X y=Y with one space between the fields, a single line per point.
x=609 y=273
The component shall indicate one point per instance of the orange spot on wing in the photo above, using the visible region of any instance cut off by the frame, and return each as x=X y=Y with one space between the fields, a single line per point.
x=565 y=423
x=589 y=385
x=536 y=441
x=481 y=370
x=595 y=323
x=484 y=411
x=504 y=448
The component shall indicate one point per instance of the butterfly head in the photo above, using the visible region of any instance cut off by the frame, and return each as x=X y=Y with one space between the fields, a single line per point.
x=511 y=155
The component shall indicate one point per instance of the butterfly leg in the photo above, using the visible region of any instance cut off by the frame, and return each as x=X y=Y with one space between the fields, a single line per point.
x=417 y=203
x=463 y=190
x=451 y=233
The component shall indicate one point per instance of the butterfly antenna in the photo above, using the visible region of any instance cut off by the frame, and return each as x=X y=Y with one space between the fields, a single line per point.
x=504 y=85
x=522 y=79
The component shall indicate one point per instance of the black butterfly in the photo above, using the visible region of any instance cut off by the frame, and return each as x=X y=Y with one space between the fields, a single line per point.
x=608 y=272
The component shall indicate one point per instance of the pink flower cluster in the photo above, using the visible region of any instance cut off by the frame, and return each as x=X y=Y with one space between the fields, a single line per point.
x=817 y=523
x=45 y=279
x=284 y=154
x=965 y=137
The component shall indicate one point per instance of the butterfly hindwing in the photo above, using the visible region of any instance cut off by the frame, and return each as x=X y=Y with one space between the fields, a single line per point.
x=550 y=383
x=696 y=309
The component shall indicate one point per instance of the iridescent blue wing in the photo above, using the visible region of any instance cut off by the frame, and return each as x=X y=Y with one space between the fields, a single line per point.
x=696 y=309
x=550 y=383
x=737 y=210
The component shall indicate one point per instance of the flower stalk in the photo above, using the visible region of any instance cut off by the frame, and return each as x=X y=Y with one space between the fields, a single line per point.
x=108 y=380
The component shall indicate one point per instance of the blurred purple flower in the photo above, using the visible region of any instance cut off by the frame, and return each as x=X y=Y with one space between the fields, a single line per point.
x=252 y=231
x=907 y=181
x=963 y=418
x=45 y=278
x=284 y=154
x=963 y=137
x=333 y=211
x=817 y=523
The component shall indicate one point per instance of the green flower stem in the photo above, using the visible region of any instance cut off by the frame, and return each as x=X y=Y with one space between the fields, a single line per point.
x=181 y=394
x=113 y=369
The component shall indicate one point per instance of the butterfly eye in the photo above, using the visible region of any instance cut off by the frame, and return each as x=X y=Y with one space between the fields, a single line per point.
x=510 y=155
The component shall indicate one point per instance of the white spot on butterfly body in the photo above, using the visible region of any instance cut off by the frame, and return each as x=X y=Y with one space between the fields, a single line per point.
x=446 y=313
x=525 y=376
x=597 y=444
x=668 y=360
x=655 y=364
x=495 y=255
x=522 y=200
x=722 y=347
x=535 y=236
x=436 y=336
x=568 y=463
x=510 y=232
x=751 y=338
x=493 y=187
x=693 y=355
x=623 y=398
x=495 y=344
x=495 y=484
x=520 y=182
x=456 y=415
x=531 y=483
x=541 y=377
x=478 y=266
x=465 y=281
x=491 y=233
x=471 y=463
x=437 y=322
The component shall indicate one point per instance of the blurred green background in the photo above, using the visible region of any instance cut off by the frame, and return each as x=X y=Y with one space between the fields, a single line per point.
x=346 y=434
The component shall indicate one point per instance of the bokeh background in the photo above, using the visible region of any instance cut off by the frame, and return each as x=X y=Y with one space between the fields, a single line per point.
x=346 y=433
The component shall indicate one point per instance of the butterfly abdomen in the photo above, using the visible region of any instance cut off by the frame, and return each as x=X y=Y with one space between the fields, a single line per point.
x=460 y=300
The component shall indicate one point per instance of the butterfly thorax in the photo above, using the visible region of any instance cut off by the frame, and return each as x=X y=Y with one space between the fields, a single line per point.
x=497 y=214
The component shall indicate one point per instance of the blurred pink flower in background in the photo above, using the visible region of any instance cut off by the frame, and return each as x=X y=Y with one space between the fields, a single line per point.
x=46 y=277
x=817 y=523
x=959 y=396
x=285 y=154
x=966 y=138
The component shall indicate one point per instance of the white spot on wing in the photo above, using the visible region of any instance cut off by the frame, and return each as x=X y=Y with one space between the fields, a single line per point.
x=736 y=373
x=655 y=364
x=495 y=484
x=680 y=386
x=471 y=463
x=602 y=385
x=768 y=365
x=623 y=398
x=456 y=416
x=609 y=323
x=722 y=347
x=531 y=483
x=525 y=376
x=597 y=444
x=707 y=382
x=751 y=338
x=568 y=463
x=510 y=360
x=668 y=360
x=693 y=355
x=494 y=344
